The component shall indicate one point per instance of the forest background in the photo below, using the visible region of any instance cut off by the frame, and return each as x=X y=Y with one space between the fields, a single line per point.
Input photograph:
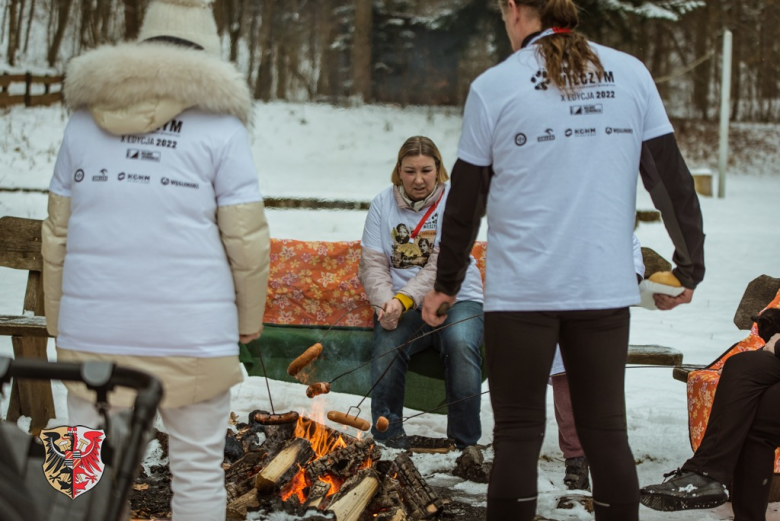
x=424 y=52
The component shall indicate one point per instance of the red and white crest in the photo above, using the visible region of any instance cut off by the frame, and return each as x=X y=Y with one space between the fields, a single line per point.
x=73 y=463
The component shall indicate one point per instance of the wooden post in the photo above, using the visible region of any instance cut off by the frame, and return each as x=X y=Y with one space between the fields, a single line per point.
x=28 y=89
x=32 y=398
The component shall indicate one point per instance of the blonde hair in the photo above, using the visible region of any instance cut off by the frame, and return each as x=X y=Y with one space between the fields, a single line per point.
x=420 y=146
x=567 y=56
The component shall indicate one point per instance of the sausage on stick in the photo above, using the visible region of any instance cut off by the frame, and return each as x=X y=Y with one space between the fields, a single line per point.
x=351 y=421
x=305 y=359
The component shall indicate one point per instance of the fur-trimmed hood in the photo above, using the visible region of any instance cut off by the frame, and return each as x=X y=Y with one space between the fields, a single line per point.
x=137 y=87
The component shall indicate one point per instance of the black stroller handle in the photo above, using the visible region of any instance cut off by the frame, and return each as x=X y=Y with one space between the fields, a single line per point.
x=101 y=377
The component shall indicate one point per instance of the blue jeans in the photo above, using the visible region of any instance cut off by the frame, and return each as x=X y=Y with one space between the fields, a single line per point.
x=459 y=350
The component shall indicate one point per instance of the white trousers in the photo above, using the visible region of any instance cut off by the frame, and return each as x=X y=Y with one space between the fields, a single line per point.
x=196 y=449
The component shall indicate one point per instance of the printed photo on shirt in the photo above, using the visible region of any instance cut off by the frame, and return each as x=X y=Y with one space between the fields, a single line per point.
x=409 y=252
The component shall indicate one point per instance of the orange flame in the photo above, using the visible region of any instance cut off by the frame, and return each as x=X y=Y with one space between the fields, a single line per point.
x=335 y=483
x=296 y=486
x=318 y=436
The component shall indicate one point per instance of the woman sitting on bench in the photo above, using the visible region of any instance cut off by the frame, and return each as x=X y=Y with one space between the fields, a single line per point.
x=400 y=246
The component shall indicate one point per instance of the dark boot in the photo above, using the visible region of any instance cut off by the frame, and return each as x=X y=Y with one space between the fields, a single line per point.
x=684 y=490
x=577 y=474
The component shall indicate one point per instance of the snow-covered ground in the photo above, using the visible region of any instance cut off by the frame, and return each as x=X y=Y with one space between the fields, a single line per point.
x=307 y=150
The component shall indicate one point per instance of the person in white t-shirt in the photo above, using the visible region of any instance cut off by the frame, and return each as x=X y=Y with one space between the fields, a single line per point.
x=156 y=247
x=551 y=143
x=397 y=268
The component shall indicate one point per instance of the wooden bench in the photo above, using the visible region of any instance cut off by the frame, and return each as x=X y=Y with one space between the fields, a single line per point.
x=20 y=248
x=758 y=293
x=286 y=333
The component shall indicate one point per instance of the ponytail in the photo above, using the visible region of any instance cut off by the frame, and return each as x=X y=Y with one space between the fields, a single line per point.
x=567 y=56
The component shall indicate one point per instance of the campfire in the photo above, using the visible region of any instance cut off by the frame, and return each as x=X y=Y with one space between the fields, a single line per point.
x=308 y=467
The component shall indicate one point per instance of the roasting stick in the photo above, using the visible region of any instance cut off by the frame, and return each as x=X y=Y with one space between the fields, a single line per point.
x=383 y=423
x=355 y=421
x=273 y=418
x=312 y=353
x=404 y=345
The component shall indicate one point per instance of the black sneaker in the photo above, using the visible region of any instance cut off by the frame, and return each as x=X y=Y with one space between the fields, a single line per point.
x=577 y=474
x=684 y=490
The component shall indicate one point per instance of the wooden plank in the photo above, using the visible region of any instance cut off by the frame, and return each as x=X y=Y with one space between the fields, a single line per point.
x=7 y=101
x=13 y=325
x=35 y=397
x=20 y=243
x=32 y=398
x=47 y=80
x=654 y=355
x=680 y=373
x=45 y=99
x=7 y=79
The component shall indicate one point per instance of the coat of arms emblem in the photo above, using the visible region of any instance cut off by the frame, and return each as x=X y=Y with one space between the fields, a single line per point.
x=73 y=463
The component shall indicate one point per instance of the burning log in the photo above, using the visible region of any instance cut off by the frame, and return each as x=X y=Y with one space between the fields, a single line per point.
x=344 y=462
x=389 y=503
x=420 y=497
x=238 y=508
x=319 y=490
x=349 y=502
x=284 y=465
x=240 y=477
x=398 y=514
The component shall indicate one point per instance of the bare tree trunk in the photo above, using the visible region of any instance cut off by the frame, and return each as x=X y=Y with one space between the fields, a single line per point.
x=282 y=59
x=13 y=31
x=235 y=27
x=29 y=26
x=328 y=79
x=264 y=81
x=702 y=74
x=361 y=50
x=661 y=58
x=63 y=13
x=251 y=38
x=5 y=18
x=133 y=15
x=768 y=49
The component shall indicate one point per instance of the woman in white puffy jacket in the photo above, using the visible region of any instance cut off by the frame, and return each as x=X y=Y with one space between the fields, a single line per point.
x=156 y=246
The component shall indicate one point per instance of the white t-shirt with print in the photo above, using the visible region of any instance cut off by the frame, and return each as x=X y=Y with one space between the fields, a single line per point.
x=145 y=270
x=388 y=230
x=562 y=202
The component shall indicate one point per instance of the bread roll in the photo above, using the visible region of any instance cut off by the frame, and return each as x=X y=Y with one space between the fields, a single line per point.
x=665 y=277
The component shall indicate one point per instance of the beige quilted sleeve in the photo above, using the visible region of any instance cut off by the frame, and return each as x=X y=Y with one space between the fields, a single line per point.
x=244 y=232
x=374 y=274
x=53 y=248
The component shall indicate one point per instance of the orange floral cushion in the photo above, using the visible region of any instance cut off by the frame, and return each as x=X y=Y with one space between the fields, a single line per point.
x=315 y=283
x=702 y=385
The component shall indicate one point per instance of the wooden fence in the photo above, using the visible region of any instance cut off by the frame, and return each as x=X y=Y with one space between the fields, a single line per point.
x=28 y=99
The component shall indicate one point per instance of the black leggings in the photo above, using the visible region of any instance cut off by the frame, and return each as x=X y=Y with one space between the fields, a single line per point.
x=520 y=347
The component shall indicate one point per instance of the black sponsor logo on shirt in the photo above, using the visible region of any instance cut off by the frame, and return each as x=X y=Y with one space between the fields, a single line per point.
x=165 y=181
x=102 y=178
x=548 y=136
x=612 y=130
x=145 y=155
x=584 y=110
x=540 y=80
x=79 y=175
x=588 y=79
x=134 y=178
x=580 y=132
x=520 y=139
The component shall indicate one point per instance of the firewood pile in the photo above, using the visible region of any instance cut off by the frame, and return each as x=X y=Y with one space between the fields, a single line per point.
x=309 y=470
